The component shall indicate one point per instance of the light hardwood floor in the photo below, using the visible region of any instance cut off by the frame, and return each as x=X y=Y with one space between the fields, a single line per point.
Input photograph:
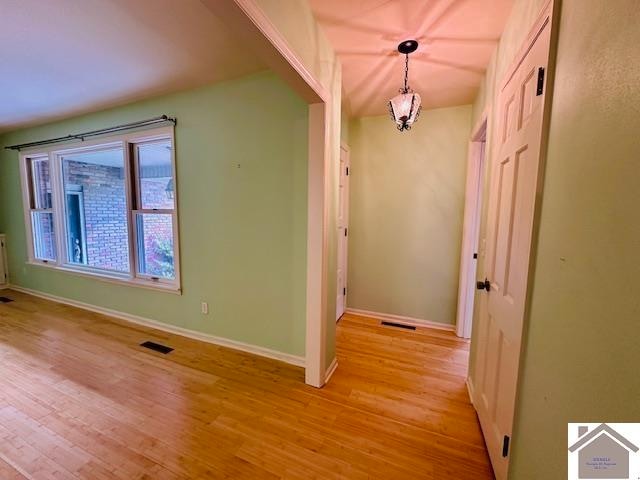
x=80 y=399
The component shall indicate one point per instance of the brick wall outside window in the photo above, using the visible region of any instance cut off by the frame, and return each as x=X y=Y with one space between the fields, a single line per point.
x=158 y=229
x=105 y=214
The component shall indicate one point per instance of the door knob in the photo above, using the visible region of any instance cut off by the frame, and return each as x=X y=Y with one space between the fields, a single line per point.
x=486 y=285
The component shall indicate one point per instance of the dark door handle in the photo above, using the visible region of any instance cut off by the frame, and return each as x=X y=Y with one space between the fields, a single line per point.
x=486 y=285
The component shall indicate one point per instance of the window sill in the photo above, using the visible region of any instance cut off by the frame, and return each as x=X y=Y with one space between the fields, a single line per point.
x=104 y=277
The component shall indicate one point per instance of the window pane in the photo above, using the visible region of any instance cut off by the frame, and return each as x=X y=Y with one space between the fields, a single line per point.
x=155 y=245
x=41 y=183
x=96 y=209
x=44 y=237
x=156 y=175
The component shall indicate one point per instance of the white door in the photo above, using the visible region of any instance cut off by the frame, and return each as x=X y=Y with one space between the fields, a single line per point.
x=3 y=262
x=512 y=198
x=343 y=231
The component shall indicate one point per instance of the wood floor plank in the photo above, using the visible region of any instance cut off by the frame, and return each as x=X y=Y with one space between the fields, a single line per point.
x=80 y=399
x=9 y=472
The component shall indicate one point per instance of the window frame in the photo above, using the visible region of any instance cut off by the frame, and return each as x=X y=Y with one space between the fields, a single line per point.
x=136 y=208
x=55 y=154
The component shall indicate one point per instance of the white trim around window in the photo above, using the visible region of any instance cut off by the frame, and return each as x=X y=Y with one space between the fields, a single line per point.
x=60 y=241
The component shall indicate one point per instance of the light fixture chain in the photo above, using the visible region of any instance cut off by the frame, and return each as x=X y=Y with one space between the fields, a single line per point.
x=406 y=73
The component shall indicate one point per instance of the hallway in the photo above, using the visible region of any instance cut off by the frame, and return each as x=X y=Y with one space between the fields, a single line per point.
x=414 y=382
x=80 y=399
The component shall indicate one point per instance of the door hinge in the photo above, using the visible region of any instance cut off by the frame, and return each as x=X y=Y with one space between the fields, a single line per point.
x=475 y=255
x=540 y=82
x=505 y=446
x=347 y=171
x=344 y=291
x=345 y=231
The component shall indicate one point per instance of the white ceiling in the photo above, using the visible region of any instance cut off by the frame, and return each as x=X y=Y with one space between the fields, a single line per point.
x=457 y=39
x=63 y=57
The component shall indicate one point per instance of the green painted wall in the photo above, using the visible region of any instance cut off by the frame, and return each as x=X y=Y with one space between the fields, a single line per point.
x=242 y=185
x=406 y=209
x=581 y=352
x=295 y=21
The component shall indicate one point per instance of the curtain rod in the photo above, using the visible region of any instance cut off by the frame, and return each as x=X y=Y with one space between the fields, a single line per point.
x=94 y=133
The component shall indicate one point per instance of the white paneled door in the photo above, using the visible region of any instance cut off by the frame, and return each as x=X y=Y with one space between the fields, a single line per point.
x=4 y=277
x=515 y=169
x=343 y=231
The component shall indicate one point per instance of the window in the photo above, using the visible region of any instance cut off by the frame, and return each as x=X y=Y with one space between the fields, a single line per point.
x=41 y=209
x=107 y=209
x=154 y=211
x=95 y=209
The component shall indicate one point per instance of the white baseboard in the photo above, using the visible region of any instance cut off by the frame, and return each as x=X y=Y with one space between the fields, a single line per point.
x=413 y=322
x=147 y=322
x=330 y=371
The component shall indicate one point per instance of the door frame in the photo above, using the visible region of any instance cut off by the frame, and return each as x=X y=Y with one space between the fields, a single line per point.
x=342 y=243
x=4 y=267
x=470 y=251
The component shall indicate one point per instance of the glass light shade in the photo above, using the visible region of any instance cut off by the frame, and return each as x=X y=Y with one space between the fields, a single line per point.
x=404 y=109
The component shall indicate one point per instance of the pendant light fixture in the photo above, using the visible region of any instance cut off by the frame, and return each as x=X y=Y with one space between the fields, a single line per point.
x=405 y=107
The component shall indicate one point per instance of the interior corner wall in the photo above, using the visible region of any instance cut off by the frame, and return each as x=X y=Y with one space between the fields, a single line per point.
x=295 y=21
x=406 y=212
x=241 y=158
x=581 y=350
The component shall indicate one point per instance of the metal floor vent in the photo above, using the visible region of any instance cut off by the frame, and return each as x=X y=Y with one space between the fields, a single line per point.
x=157 y=347
x=398 y=325
x=5 y=299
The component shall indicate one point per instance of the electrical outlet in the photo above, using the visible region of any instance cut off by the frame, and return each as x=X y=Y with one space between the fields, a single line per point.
x=205 y=308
